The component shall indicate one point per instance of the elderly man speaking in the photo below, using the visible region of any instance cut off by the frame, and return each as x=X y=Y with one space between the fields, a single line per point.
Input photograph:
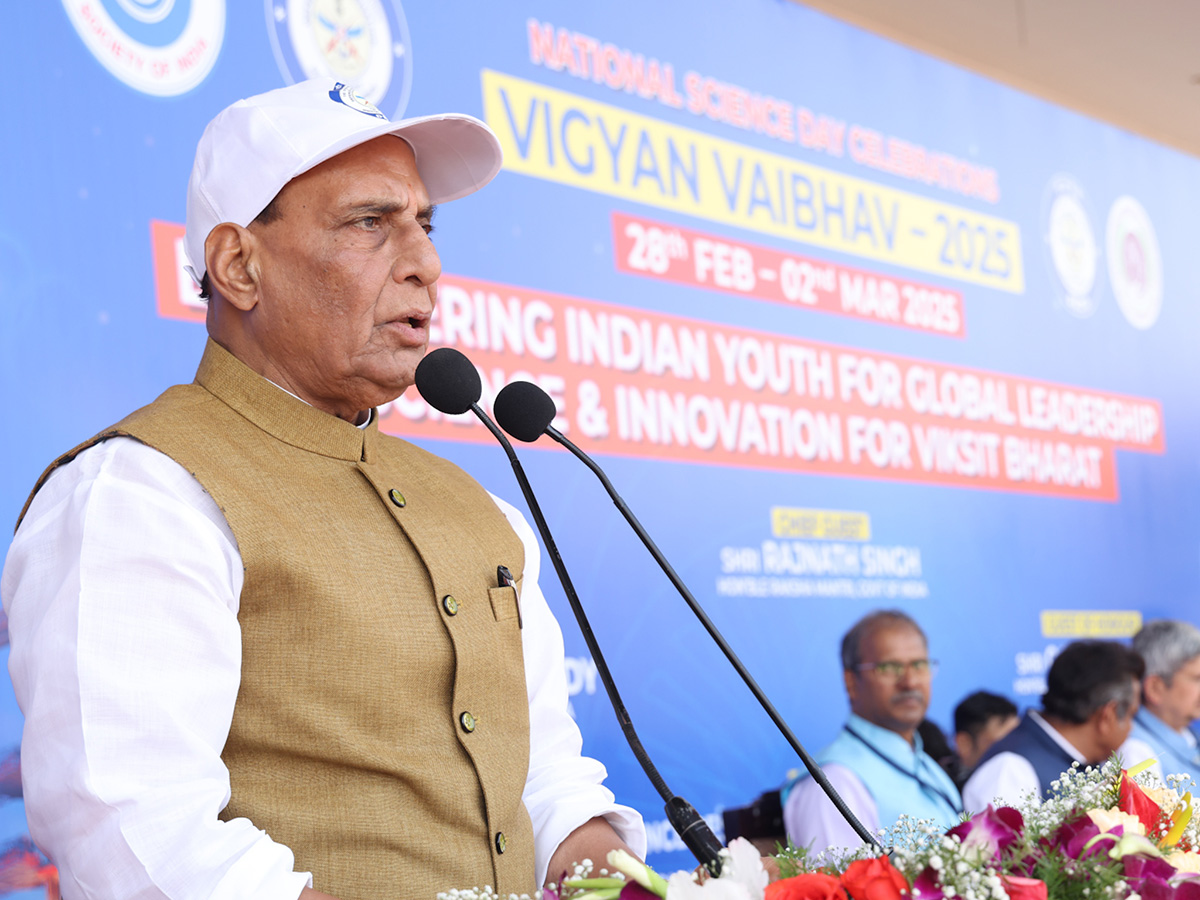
x=253 y=637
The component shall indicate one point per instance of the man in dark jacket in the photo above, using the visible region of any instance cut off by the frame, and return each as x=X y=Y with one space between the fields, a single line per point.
x=1092 y=694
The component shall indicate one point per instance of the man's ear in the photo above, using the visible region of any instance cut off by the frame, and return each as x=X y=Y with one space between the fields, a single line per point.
x=851 y=685
x=1154 y=687
x=230 y=256
x=965 y=744
x=1105 y=719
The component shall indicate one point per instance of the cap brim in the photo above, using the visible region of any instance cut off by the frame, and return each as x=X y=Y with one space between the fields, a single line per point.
x=456 y=154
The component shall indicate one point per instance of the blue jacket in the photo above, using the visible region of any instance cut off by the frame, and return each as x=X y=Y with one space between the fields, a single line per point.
x=1172 y=750
x=1030 y=740
x=899 y=777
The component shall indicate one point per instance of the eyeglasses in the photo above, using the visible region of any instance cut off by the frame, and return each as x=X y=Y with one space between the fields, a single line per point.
x=893 y=670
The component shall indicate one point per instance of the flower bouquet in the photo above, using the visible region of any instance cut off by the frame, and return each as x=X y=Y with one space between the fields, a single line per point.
x=1105 y=834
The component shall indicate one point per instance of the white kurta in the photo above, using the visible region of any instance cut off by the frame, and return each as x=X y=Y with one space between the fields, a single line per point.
x=812 y=821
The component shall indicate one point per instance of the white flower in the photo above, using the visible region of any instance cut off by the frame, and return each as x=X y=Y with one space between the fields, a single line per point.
x=680 y=886
x=741 y=862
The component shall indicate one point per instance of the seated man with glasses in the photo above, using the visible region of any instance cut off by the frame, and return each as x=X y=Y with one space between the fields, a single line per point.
x=1092 y=692
x=1170 y=700
x=877 y=762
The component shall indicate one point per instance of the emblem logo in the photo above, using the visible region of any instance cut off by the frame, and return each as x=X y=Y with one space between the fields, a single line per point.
x=350 y=98
x=359 y=42
x=1071 y=245
x=1134 y=262
x=159 y=47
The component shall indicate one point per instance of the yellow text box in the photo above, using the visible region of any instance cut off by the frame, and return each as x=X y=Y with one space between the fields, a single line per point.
x=1084 y=623
x=820 y=524
x=568 y=139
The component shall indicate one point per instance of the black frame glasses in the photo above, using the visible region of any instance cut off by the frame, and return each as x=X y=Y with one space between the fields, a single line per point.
x=894 y=670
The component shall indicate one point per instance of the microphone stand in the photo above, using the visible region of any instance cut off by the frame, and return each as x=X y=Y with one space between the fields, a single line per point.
x=811 y=764
x=692 y=829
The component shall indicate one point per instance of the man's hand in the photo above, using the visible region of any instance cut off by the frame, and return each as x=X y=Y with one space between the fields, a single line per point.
x=772 y=868
x=591 y=840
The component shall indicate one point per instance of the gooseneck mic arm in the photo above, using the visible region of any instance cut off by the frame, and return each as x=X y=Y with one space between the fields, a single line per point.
x=449 y=383
x=525 y=411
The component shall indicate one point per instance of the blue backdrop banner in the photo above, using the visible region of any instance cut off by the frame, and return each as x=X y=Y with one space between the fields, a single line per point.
x=848 y=327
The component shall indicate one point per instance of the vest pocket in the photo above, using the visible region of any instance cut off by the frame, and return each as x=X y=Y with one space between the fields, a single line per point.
x=504 y=603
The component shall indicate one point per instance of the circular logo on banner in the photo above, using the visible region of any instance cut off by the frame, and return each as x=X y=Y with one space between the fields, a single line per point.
x=361 y=42
x=159 y=47
x=1071 y=243
x=1134 y=263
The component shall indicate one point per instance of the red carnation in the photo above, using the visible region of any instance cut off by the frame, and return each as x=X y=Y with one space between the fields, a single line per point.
x=874 y=879
x=1024 y=888
x=810 y=886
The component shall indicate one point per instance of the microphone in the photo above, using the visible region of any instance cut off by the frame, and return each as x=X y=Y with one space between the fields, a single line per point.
x=525 y=411
x=449 y=382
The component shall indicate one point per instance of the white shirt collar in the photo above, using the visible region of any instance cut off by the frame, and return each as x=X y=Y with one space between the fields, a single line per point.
x=306 y=403
x=1056 y=737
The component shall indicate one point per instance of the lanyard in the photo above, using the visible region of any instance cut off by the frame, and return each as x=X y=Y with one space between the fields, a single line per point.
x=925 y=786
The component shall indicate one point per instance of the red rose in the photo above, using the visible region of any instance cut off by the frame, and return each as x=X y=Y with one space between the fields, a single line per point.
x=810 y=886
x=1024 y=888
x=874 y=879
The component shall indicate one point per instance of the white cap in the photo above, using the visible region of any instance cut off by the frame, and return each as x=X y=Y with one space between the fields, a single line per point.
x=256 y=146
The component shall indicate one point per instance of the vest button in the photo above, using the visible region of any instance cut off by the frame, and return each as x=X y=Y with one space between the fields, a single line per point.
x=450 y=605
x=468 y=722
x=501 y=842
x=396 y=497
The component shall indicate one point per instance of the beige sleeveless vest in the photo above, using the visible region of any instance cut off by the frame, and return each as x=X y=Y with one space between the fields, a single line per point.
x=381 y=729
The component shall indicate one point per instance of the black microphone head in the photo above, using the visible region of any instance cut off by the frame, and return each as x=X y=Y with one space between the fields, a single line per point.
x=524 y=410
x=448 y=381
